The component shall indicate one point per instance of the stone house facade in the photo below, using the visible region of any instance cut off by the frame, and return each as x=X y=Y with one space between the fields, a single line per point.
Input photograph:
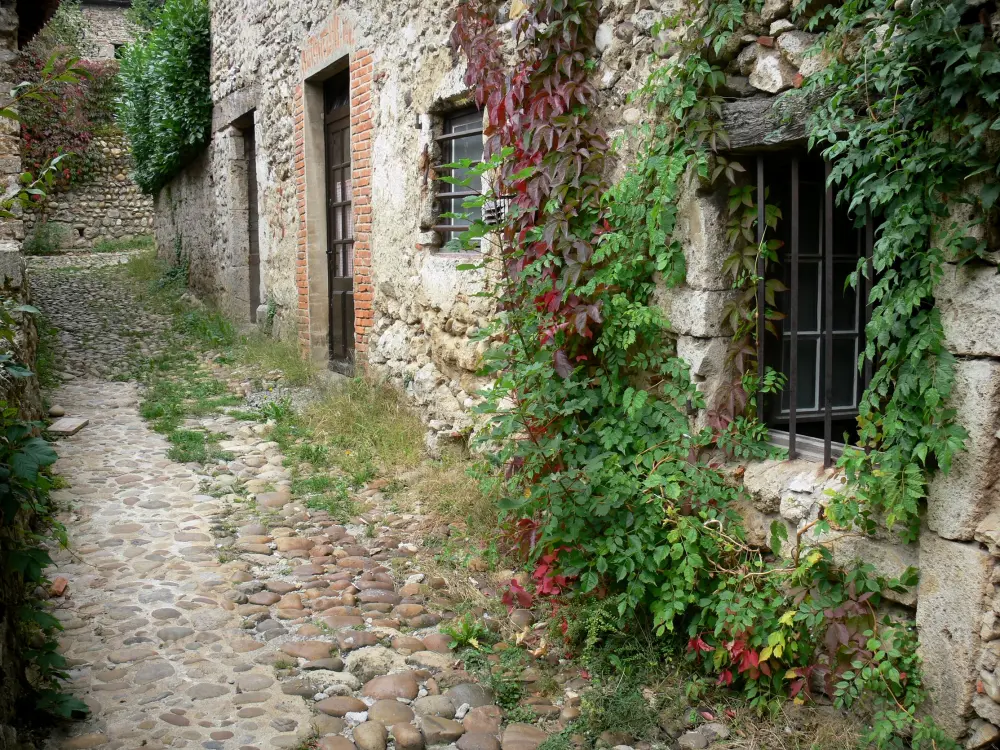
x=316 y=206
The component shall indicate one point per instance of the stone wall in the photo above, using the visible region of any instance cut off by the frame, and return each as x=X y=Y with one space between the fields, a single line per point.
x=106 y=29
x=182 y=224
x=417 y=314
x=108 y=206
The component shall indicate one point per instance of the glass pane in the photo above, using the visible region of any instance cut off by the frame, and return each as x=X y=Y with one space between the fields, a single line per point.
x=464 y=123
x=349 y=222
x=466 y=148
x=844 y=300
x=338 y=222
x=345 y=153
x=810 y=216
x=845 y=372
x=454 y=205
x=809 y=297
x=807 y=392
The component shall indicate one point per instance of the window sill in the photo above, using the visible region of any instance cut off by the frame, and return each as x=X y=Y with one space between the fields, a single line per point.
x=807 y=448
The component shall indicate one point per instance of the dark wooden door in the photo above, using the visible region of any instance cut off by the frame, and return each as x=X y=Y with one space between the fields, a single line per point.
x=250 y=141
x=340 y=222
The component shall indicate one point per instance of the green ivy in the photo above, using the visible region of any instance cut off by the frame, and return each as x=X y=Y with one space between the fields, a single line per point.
x=166 y=105
x=609 y=480
x=910 y=128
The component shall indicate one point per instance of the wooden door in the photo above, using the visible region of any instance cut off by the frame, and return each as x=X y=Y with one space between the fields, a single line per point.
x=250 y=142
x=340 y=222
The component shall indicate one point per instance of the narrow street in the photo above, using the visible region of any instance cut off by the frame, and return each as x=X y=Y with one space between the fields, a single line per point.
x=194 y=617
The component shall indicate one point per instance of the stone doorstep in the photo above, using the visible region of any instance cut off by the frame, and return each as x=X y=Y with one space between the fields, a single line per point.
x=66 y=426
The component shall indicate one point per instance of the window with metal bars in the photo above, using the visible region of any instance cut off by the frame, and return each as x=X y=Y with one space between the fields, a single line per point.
x=821 y=332
x=462 y=138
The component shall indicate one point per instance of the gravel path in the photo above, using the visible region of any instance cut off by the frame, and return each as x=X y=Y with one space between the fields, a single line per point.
x=205 y=608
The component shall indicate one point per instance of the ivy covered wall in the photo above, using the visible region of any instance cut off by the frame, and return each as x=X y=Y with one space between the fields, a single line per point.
x=622 y=312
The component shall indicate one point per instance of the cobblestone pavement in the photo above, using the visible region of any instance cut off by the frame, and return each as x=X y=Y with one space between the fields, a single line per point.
x=102 y=331
x=207 y=609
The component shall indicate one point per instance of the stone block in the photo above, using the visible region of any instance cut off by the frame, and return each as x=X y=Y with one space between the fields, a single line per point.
x=11 y=265
x=67 y=426
x=772 y=72
x=958 y=501
x=950 y=598
x=797 y=46
x=970 y=309
x=701 y=230
x=707 y=360
x=890 y=559
x=694 y=312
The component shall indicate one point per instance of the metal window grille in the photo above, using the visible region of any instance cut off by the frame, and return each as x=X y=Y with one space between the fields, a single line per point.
x=821 y=337
x=462 y=139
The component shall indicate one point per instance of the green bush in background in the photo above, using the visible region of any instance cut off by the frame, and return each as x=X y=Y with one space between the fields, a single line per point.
x=166 y=103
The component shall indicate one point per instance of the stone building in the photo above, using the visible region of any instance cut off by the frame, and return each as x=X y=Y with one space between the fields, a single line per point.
x=316 y=205
x=109 y=205
x=107 y=29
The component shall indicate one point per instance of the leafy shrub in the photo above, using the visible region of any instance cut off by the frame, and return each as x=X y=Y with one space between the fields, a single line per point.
x=82 y=105
x=166 y=103
x=66 y=124
x=47 y=238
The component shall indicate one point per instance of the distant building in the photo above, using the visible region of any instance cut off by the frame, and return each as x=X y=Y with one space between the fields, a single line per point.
x=107 y=30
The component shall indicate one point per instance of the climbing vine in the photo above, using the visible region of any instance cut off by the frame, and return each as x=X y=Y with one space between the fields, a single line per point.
x=66 y=123
x=910 y=128
x=590 y=408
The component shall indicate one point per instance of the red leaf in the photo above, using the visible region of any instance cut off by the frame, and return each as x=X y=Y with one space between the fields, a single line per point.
x=562 y=364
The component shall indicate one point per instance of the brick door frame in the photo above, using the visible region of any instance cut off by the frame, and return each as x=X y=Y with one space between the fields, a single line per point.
x=325 y=53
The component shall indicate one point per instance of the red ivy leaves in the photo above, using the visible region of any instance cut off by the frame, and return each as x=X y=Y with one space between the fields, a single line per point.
x=516 y=597
x=537 y=106
x=549 y=583
x=65 y=124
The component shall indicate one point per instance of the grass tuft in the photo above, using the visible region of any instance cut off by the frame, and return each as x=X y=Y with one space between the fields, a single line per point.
x=368 y=429
x=124 y=244
x=264 y=352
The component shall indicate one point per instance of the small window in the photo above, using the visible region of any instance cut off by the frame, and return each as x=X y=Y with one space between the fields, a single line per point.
x=821 y=334
x=462 y=138
x=119 y=51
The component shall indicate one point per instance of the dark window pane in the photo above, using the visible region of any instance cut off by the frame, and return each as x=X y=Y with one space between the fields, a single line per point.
x=844 y=299
x=810 y=216
x=809 y=297
x=466 y=122
x=845 y=372
x=807 y=377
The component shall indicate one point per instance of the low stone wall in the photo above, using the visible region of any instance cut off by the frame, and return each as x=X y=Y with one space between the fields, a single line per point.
x=110 y=206
x=183 y=223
